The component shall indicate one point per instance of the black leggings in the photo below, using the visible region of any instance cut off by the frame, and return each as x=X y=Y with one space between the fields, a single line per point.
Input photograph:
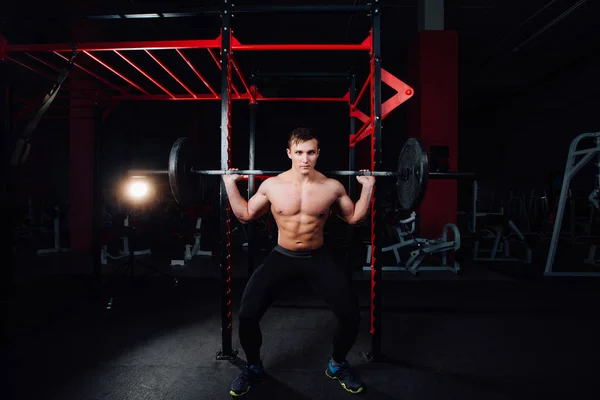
x=326 y=278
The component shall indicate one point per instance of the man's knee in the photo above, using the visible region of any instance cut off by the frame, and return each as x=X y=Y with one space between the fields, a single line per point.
x=350 y=317
x=248 y=315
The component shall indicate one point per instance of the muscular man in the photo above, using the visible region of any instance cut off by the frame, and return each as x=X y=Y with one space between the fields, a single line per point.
x=300 y=200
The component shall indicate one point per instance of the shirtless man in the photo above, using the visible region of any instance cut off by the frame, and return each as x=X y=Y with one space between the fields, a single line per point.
x=300 y=200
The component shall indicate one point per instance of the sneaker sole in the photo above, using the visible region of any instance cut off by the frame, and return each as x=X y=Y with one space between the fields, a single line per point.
x=234 y=394
x=342 y=384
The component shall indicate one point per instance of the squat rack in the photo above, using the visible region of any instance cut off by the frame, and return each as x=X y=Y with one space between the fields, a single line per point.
x=227 y=44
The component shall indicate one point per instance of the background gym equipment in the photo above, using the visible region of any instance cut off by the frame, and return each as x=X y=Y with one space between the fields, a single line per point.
x=499 y=229
x=576 y=159
x=56 y=235
x=420 y=248
x=411 y=183
x=193 y=250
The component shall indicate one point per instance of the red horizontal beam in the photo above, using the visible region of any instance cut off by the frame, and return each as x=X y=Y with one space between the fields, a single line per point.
x=109 y=46
x=162 y=97
x=180 y=44
x=316 y=99
x=300 y=47
x=201 y=97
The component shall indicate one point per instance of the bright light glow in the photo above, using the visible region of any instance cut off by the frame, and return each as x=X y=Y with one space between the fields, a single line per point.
x=138 y=189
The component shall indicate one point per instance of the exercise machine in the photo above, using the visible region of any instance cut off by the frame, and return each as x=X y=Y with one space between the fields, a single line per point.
x=499 y=229
x=126 y=252
x=577 y=158
x=56 y=233
x=421 y=248
x=193 y=250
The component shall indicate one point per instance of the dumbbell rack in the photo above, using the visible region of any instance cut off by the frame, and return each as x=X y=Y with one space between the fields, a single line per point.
x=576 y=160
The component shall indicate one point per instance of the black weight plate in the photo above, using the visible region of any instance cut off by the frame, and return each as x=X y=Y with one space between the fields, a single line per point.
x=185 y=185
x=413 y=164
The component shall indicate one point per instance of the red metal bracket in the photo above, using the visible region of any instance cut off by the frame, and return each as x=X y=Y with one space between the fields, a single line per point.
x=3 y=44
x=364 y=132
x=254 y=95
x=403 y=93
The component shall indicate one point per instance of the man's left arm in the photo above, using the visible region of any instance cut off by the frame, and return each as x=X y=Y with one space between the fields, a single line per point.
x=355 y=213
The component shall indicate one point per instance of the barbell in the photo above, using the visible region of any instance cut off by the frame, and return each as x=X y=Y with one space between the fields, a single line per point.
x=412 y=173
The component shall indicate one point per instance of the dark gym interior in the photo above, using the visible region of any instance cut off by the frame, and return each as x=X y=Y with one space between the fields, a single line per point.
x=476 y=269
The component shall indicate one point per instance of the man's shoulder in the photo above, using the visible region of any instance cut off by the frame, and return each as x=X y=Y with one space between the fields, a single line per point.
x=333 y=184
x=270 y=182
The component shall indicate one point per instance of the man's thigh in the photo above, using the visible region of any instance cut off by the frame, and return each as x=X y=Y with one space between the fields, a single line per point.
x=265 y=284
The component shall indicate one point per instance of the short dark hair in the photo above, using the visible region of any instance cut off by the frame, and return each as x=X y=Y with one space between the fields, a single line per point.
x=300 y=135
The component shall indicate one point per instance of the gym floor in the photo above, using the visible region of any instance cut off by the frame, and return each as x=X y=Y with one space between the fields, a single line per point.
x=489 y=333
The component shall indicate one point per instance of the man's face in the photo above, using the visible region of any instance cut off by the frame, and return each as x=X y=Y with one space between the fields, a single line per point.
x=304 y=155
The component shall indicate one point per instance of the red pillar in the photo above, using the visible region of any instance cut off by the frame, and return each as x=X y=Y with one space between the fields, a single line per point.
x=82 y=126
x=433 y=118
x=82 y=157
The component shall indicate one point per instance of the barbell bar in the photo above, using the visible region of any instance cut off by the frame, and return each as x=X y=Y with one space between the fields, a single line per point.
x=438 y=175
x=432 y=175
x=412 y=173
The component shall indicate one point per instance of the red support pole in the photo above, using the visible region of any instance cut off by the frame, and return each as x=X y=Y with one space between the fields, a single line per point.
x=111 y=69
x=219 y=65
x=144 y=73
x=360 y=94
x=92 y=73
x=434 y=119
x=198 y=74
x=237 y=69
x=46 y=63
x=82 y=131
x=170 y=72
x=365 y=131
x=45 y=75
x=214 y=58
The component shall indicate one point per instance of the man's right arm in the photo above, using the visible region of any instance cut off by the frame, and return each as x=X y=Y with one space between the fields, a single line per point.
x=246 y=211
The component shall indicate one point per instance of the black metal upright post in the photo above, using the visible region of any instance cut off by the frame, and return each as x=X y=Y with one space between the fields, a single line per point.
x=352 y=149
x=226 y=352
x=352 y=179
x=8 y=196
x=376 y=334
x=251 y=178
x=97 y=198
